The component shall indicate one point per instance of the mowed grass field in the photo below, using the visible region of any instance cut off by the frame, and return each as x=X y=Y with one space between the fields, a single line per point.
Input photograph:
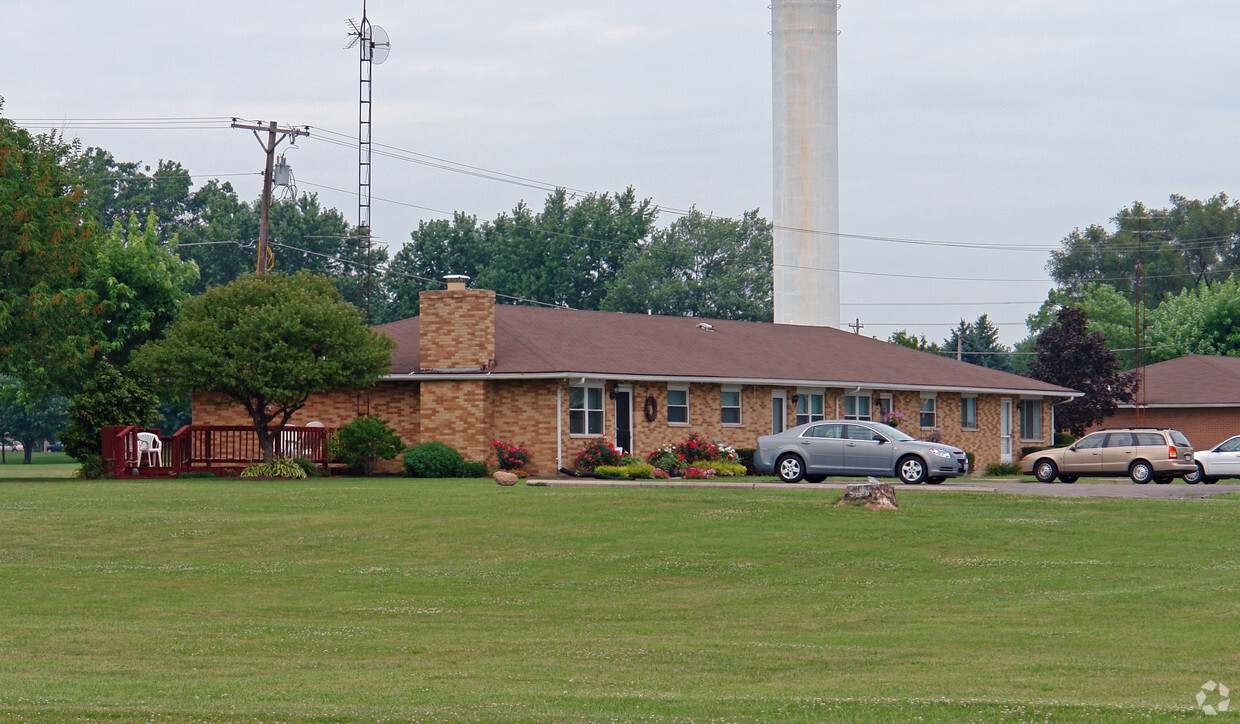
x=403 y=600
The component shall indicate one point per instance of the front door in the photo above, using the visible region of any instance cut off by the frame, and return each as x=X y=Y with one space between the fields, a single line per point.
x=779 y=412
x=1005 y=430
x=624 y=419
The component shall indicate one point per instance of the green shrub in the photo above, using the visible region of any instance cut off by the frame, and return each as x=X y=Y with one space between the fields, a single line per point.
x=432 y=460
x=283 y=468
x=306 y=464
x=363 y=441
x=92 y=467
x=639 y=470
x=725 y=470
x=746 y=455
x=1003 y=470
x=1063 y=439
x=1032 y=449
x=972 y=462
x=107 y=398
x=472 y=469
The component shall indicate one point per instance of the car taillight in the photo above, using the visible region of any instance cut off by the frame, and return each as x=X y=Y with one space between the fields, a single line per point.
x=1171 y=451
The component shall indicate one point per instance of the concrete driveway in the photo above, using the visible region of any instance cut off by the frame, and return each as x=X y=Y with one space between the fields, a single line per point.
x=1118 y=489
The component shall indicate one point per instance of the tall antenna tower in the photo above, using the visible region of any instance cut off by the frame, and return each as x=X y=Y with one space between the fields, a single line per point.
x=373 y=48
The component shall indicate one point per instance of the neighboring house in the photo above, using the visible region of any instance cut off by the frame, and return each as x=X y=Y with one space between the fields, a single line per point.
x=468 y=371
x=1199 y=395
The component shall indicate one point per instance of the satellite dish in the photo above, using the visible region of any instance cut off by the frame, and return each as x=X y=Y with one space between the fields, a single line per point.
x=380 y=46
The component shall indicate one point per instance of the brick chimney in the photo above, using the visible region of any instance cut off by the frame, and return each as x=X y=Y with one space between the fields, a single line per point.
x=456 y=328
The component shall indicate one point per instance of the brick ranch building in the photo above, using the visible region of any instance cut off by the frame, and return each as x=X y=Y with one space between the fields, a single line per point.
x=468 y=371
x=1199 y=395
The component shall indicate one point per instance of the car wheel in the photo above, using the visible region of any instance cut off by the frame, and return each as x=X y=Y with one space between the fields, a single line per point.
x=1163 y=479
x=1069 y=479
x=815 y=478
x=1140 y=472
x=790 y=468
x=911 y=469
x=1209 y=480
x=1196 y=476
x=934 y=481
x=1045 y=471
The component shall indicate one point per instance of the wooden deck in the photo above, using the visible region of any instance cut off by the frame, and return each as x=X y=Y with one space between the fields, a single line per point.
x=206 y=448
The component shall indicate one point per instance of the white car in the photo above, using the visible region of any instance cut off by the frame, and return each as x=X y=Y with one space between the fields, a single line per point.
x=1223 y=461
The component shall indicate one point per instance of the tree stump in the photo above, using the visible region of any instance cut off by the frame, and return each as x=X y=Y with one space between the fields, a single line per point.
x=503 y=477
x=871 y=495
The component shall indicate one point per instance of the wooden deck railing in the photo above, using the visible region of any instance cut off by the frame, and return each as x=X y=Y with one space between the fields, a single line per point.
x=209 y=447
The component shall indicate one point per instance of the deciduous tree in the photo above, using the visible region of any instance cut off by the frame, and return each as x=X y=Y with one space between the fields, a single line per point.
x=700 y=266
x=266 y=343
x=1071 y=356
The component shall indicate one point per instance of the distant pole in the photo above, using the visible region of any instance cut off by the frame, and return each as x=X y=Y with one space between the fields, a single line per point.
x=275 y=134
x=857 y=326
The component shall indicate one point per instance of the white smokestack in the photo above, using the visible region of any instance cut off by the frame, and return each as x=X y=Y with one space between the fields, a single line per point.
x=807 y=178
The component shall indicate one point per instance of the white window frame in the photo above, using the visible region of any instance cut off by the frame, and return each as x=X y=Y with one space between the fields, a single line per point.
x=887 y=400
x=805 y=399
x=933 y=412
x=740 y=399
x=1035 y=404
x=600 y=412
x=855 y=398
x=972 y=399
x=677 y=387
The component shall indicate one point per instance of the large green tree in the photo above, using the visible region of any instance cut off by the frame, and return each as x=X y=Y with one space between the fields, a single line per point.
x=266 y=343
x=436 y=248
x=116 y=190
x=700 y=266
x=1203 y=320
x=567 y=253
x=1189 y=243
x=47 y=246
x=1109 y=313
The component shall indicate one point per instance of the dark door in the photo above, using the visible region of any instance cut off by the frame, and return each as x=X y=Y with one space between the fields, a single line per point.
x=624 y=420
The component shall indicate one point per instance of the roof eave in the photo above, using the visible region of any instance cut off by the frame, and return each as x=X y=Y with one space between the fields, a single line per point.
x=769 y=382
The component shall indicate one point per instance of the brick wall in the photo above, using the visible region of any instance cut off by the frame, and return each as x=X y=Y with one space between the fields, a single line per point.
x=456 y=329
x=1204 y=427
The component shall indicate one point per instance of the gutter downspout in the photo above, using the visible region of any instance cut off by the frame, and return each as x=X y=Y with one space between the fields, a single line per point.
x=559 y=428
x=1066 y=399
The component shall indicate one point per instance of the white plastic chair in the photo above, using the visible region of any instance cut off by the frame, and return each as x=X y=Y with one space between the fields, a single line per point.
x=150 y=449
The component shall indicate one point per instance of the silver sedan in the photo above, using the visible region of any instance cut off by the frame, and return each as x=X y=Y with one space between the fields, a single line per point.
x=854 y=447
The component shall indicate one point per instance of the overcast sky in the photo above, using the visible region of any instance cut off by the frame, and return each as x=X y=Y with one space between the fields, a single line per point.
x=977 y=122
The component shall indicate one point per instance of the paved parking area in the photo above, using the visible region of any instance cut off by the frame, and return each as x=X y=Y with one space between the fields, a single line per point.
x=1118 y=489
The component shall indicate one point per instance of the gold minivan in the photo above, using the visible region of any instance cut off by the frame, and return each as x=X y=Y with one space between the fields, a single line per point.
x=1141 y=453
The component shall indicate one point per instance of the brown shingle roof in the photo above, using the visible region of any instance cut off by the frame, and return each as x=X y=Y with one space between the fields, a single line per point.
x=542 y=341
x=1193 y=380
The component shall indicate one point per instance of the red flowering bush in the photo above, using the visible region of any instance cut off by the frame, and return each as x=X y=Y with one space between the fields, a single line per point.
x=598 y=452
x=696 y=448
x=510 y=456
x=693 y=473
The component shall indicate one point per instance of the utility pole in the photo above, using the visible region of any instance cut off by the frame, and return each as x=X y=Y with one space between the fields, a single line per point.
x=856 y=327
x=1139 y=321
x=275 y=134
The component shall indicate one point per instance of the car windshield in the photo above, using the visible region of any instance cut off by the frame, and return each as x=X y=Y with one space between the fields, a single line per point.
x=890 y=432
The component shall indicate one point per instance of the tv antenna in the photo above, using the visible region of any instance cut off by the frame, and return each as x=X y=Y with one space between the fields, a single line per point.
x=373 y=48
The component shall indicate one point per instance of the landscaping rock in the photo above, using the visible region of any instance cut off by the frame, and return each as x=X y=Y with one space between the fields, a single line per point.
x=503 y=477
x=871 y=495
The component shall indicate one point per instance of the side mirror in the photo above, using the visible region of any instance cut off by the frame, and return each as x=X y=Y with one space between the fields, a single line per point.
x=879 y=439
x=1072 y=448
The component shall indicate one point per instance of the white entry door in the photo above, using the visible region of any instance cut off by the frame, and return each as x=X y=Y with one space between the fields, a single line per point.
x=1005 y=430
x=779 y=411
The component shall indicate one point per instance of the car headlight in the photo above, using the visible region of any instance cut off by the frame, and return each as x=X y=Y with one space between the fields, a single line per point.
x=940 y=453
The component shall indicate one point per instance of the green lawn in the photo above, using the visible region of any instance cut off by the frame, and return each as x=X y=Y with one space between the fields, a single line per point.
x=391 y=599
x=42 y=466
